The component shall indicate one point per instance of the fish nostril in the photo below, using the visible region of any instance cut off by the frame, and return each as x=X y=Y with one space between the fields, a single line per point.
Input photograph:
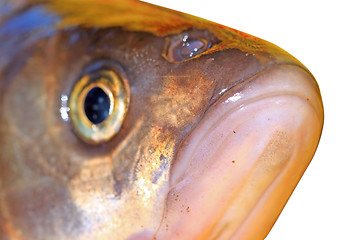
x=188 y=45
x=191 y=48
x=186 y=48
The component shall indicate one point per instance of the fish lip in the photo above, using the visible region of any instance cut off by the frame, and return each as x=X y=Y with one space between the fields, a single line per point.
x=264 y=175
x=235 y=89
x=243 y=82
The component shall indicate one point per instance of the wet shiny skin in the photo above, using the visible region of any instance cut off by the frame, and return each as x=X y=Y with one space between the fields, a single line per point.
x=212 y=144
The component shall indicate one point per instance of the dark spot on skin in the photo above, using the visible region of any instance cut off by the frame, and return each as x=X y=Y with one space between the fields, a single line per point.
x=162 y=168
x=117 y=188
x=96 y=39
x=188 y=209
x=307 y=99
x=176 y=197
x=233 y=161
x=119 y=184
x=234 y=131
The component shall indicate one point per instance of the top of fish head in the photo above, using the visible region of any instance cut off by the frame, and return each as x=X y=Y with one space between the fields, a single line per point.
x=125 y=120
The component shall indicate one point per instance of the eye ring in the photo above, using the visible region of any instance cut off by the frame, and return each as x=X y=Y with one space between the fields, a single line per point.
x=114 y=89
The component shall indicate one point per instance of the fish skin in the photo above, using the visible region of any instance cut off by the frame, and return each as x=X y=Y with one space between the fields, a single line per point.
x=55 y=186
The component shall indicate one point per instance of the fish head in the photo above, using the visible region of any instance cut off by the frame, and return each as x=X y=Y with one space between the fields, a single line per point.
x=124 y=120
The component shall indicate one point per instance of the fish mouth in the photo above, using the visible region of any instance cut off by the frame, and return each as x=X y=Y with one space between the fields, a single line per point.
x=235 y=171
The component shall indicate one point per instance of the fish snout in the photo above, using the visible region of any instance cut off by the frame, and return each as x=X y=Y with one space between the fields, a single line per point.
x=235 y=171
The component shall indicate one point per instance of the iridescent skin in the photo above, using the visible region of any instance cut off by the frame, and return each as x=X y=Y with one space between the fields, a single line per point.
x=211 y=147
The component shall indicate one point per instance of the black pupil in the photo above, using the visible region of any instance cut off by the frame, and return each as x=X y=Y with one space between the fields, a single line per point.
x=97 y=105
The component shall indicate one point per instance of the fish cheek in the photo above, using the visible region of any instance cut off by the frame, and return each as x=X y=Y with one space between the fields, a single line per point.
x=167 y=110
x=183 y=99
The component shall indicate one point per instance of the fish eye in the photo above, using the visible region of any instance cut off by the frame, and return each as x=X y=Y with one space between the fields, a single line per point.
x=98 y=104
x=187 y=45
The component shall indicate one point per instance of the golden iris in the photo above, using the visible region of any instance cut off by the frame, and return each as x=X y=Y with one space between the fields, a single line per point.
x=98 y=105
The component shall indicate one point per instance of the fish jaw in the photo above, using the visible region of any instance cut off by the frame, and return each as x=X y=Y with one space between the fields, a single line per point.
x=235 y=171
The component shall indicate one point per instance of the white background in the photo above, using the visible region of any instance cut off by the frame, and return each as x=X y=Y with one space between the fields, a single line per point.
x=325 y=37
